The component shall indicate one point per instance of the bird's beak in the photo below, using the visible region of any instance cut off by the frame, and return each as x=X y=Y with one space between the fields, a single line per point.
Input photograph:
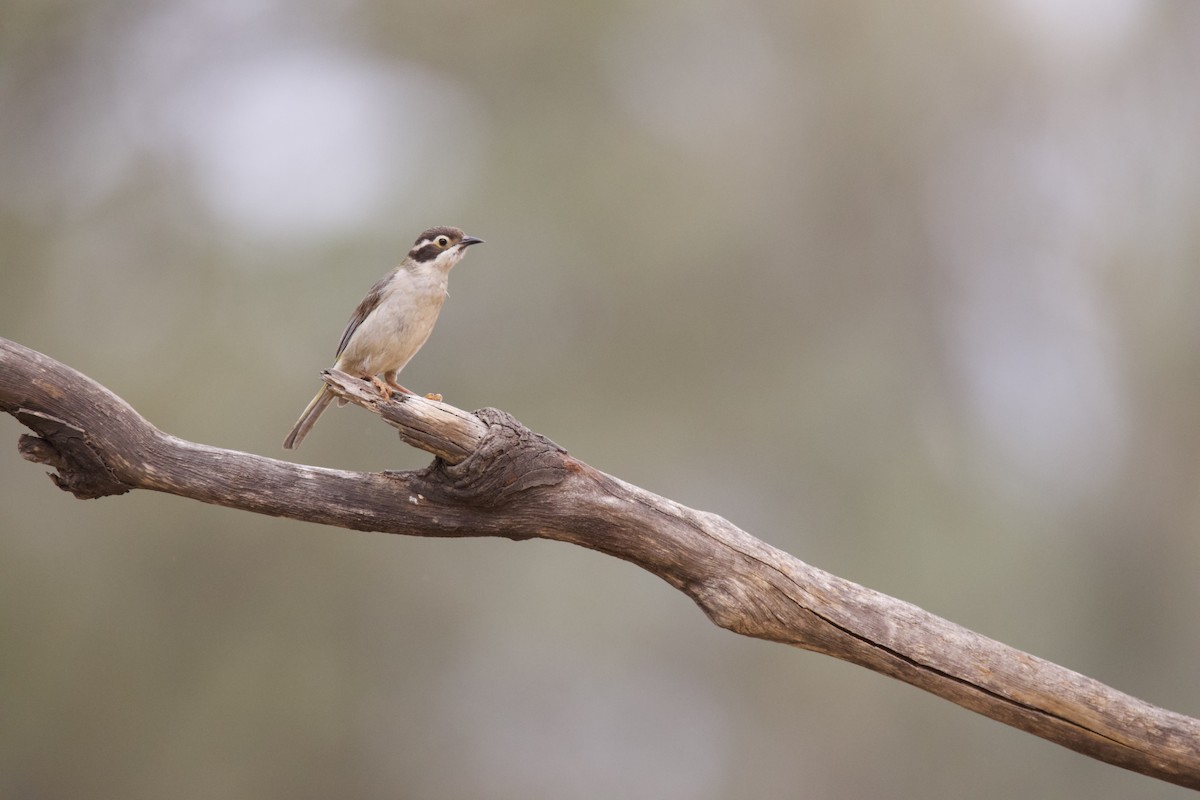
x=470 y=240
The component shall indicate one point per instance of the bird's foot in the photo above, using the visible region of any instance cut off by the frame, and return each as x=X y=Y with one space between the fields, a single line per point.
x=434 y=396
x=379 y=385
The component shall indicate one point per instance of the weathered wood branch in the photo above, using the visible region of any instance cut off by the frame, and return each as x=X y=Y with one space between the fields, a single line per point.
x=494 y=477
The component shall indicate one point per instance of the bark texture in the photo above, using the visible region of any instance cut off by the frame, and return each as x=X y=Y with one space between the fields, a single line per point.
x=494 y=477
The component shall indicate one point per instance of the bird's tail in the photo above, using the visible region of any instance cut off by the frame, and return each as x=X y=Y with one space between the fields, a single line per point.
x=308 y=418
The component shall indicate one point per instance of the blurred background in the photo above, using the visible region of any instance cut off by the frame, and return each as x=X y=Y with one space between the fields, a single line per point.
x=907 y=290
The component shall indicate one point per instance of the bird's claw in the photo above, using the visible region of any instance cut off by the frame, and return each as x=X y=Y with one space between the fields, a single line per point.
x=380 y=386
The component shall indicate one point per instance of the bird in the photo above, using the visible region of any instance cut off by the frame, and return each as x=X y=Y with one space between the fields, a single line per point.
x=393 y=321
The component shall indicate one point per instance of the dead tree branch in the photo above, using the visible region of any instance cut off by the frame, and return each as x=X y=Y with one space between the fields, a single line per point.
x=494 y=477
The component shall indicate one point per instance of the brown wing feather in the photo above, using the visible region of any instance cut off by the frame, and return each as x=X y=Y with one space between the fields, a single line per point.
x=363 y=311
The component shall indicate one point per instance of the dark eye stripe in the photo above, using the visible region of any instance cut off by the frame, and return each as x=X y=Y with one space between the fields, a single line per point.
x=426 y=252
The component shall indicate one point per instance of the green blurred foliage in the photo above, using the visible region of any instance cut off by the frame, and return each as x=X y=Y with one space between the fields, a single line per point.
x=908 y=291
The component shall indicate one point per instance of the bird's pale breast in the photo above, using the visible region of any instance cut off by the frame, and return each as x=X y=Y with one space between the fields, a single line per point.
x=397 y=328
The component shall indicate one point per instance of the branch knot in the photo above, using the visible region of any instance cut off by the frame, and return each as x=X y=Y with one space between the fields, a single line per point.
x=510 y=459
x=68 y=449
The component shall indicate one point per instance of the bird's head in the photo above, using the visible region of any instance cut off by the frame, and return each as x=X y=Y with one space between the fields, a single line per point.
x=442 y=247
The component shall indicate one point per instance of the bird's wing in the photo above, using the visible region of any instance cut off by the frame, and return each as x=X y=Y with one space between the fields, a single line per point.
x=368 y=304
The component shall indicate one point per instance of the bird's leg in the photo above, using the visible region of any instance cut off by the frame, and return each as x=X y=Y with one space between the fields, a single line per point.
x=390 y=377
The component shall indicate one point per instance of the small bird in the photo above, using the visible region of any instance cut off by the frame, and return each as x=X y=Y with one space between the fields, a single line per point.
x=393 y=320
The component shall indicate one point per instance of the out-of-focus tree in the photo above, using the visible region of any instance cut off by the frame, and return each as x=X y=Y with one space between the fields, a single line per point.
x=946 y=253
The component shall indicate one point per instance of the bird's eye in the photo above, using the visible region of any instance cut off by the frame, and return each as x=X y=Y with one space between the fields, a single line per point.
x=442 y=241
